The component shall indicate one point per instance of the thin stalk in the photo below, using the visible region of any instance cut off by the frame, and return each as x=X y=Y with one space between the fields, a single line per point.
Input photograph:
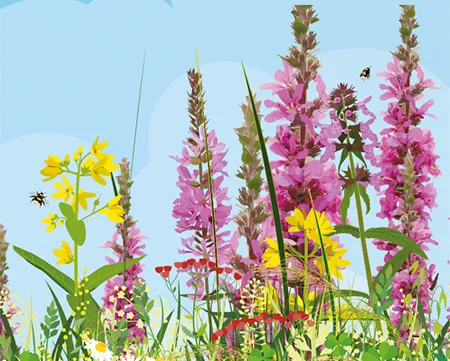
x=124 y=243
x=208 y=307
x=327 y=269
x=273 y=200
x=137 y=116
x=305 y=275
x=75 y=253
x=211 y=190
x=359 y=210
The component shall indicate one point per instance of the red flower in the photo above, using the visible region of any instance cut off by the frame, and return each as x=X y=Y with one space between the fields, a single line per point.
x=159 y=269
x=190 y=261
x=237 y=276
x=288 y=324
x=214 y=337
x=219 y=270
x=203 y=261
x=184 y=265
x=268 y=321
x=211 y=264
x=178 y=264
x=228 y=270
x=167 y=268
x=165 y=274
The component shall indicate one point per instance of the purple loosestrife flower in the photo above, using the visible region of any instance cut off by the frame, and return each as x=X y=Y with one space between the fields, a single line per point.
x=297 y=143
x=408 y=162
x=192 y=209
x=126 y=244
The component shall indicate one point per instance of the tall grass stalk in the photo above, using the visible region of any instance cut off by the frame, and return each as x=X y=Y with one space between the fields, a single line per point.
x=137 y=116
x=273 y=200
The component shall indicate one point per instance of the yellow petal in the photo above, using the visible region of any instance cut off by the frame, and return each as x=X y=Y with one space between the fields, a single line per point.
x=114 y=200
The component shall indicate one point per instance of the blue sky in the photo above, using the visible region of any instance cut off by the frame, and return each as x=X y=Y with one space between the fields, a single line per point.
x=70 y=71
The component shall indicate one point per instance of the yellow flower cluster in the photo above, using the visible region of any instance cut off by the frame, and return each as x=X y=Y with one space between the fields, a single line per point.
x=300 y=222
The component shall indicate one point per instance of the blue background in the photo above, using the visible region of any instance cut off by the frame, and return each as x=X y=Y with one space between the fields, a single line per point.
x=70 y=71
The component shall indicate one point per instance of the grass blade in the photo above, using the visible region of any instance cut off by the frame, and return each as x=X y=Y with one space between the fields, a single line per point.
x=273 y=199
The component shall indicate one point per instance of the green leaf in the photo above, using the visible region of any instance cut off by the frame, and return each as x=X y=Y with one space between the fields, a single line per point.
x=67 y=210
x=353 y=293
x=299 y=27
x=273 y=199
x=162 y=332
x=405 y=31
x=92 y=320
x=411 y=12
x=361 y=158
x=365 y=197
x=77 y=230
x=106 y=272
x=345 y=228
x=344 y=155
x=345 y=203
x=255 y=183
x=395 y=262
x=62 y=280
x=371 y=355
x=331 y=341
x=397 y=238
x=246 y=157
x=387 y=351
x=9 y=333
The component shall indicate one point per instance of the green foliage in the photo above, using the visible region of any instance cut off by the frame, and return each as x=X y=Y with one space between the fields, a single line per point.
x=383 y=352
x=265 y=354
x=345 y=203
x=28 y=356
x=50 y=325
x=338 y=344
x=77 y=230
x=62 y=280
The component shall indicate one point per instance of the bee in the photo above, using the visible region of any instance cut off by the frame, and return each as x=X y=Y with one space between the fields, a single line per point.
x=38 y=198
x=365 y=74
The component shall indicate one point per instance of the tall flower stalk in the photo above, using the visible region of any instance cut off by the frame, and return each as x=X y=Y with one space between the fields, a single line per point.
x=118 y=298
x=352 y=139
x=296 y=141
x=254 y=213
x=408 y=162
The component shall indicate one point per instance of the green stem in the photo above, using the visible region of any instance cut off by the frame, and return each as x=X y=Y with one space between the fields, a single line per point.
x=358 y=208
x=305 y=277
x=211 y=191
x=208 y=307
x=327 y=269
x=75 y=253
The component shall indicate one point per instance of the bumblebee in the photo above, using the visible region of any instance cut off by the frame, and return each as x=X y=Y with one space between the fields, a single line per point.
x=38 y=198
x=365 y=74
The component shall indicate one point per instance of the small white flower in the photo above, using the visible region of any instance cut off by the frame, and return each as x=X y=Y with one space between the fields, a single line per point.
x=99 y=350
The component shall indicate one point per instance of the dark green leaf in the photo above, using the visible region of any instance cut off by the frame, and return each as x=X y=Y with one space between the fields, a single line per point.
x=246 y=157
x=405 y=31
x=360 y=157
x=345 y=228
x=397 y=238
x=344 y=155
x=64 y=281
x=411 y=12
x=106 y=272
x=345 y=203
x=255 y=183
x=299 y=27
x=365 y=197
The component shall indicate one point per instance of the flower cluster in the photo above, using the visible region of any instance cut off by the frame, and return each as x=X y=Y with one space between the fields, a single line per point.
x=200 y=171
x=408 y=162
x=263 y=318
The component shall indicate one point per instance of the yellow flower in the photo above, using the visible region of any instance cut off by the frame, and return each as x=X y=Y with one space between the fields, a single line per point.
x=297 y=221
x=96 y=148
x=65 y=190
x=334 y=259
x=108 y=164
x=64 y=254
x=53 y=167
x=78 y=153
x=271 y=255
x=98 y=171
x=310 y=226
x=113 y=210
x=82 y=196
x=50 y=221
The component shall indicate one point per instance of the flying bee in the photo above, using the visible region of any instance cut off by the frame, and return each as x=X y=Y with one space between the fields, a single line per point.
x=38 y=198
x=365 y=74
